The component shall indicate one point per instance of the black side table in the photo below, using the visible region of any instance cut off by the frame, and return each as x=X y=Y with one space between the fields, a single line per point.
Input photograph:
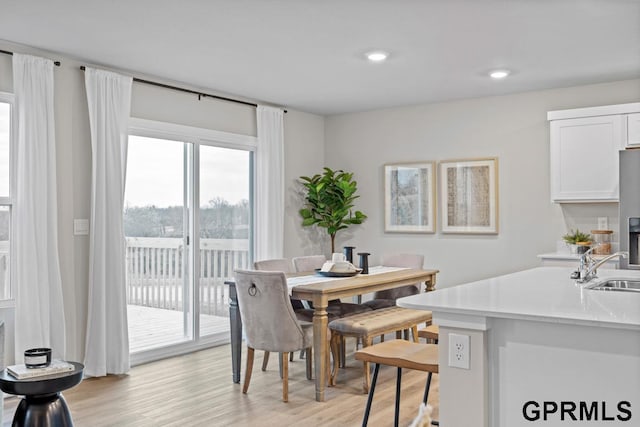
x=43 y=405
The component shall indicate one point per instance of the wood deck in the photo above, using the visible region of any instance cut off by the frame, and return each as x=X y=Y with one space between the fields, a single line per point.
x=156 y=327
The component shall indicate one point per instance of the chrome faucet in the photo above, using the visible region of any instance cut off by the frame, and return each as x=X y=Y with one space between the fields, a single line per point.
x=588 y=269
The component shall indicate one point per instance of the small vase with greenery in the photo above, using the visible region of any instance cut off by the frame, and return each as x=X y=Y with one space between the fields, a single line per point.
x=577 y=241
x=329 y=202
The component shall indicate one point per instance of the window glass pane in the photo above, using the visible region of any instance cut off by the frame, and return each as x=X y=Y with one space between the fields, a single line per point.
x=5 y=122
x=154 y=190
x=224 y=229
x=153 y=225
x=5 y=223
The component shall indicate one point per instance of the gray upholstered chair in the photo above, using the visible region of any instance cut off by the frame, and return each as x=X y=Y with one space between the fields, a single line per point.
x=269 y=321
x=279 y=264
x=388 y=297
x=336 y=308
x=284 y=265
x=308 y=263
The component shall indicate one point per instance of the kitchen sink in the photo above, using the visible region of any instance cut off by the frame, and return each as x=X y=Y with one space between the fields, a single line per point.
x=623 y=285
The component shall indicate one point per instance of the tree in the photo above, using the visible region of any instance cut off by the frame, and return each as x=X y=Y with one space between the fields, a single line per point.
x=329 y=202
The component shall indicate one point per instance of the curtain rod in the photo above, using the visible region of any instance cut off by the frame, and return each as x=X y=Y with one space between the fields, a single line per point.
x=181 y=89
x=6 y=52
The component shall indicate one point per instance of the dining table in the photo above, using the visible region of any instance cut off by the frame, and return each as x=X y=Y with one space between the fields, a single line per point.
x=319 y=290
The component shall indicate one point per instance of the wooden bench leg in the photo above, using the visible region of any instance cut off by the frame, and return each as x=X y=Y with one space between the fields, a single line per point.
x=265 y=360
x=366 y=342
x=309 y=355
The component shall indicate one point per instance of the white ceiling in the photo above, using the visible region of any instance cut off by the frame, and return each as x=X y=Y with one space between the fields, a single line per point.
x=307 y=54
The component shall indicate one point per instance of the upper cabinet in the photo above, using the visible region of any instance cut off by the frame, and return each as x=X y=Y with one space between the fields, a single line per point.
x=633 y=130
x=584 y=151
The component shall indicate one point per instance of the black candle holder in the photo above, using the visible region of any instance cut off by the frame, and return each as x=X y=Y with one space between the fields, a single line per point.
x=348 y=253
x=364 y=262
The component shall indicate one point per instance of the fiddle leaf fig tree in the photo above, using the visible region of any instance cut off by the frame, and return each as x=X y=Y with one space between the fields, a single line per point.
x=329 y=202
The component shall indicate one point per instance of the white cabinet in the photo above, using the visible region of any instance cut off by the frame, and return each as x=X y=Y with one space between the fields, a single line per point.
x=584 y=150
x=584 y=158
x=633 y=130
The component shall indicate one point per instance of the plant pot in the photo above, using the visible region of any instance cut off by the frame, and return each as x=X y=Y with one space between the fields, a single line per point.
x=579 y=248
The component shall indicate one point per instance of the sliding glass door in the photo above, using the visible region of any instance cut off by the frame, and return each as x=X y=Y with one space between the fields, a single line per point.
x=156 y=231
x=225 y=177
x=188 y=226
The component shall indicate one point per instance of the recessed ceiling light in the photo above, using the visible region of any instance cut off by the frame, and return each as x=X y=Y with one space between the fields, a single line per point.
x=377 y=56
x=499 y=74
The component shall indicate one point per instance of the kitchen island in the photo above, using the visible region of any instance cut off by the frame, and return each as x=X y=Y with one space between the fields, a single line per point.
x=542 y=350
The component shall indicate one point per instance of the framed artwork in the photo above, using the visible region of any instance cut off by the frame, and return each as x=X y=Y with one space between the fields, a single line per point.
x=409 y=201
x=469 y=190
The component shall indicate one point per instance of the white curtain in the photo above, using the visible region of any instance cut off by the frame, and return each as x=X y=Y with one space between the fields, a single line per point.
x=39 y=306
x=270 y=183
x=107 y=340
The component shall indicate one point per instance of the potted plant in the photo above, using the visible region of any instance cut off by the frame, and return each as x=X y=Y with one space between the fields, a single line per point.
x=577 y=241
x=329 y=202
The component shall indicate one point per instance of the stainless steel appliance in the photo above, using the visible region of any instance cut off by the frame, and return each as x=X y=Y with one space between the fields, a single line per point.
x=630 y=207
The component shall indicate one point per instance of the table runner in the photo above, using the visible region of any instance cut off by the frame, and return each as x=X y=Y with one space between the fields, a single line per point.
x=315 y=278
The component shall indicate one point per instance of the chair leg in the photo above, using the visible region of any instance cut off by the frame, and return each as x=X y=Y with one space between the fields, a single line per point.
x=285 y=377
x=414 y=332
x=247 y=374
x=343 y=351
x=426 y=389
x=335 y=350
x=309 y=354
x=366 y=342
x=398 y=335
x=291 y=357
x=265 y=360
x=367 y=410
x=280 y=364
x=396 y=419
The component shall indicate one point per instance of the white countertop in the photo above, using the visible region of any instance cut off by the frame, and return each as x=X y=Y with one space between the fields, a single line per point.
x=540 y=294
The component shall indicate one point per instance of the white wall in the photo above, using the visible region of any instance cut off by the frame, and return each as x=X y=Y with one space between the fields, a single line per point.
x=304 y=138
x=304 y=155
x=513 y=128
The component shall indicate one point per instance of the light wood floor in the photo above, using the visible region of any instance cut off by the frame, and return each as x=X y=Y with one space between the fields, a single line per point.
x=197 y=390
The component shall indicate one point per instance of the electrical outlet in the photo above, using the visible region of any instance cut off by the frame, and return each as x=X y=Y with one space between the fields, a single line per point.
x=459 y=351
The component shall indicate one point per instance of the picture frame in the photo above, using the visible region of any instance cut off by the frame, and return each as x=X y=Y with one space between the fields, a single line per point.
x=409 y=197
x=469 y=190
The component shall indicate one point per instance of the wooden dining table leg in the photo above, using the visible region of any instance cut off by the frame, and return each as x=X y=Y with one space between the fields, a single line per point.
x=320 y=347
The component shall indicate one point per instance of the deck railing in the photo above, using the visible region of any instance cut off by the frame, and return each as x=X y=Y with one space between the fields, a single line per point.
x=155 y=272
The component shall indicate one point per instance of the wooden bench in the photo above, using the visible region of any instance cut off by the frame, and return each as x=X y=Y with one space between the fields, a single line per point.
x=401 y=354
x=431 y=333
x=368 y=325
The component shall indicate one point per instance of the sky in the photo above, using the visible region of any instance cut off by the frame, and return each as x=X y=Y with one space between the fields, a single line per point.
x=155 y=173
